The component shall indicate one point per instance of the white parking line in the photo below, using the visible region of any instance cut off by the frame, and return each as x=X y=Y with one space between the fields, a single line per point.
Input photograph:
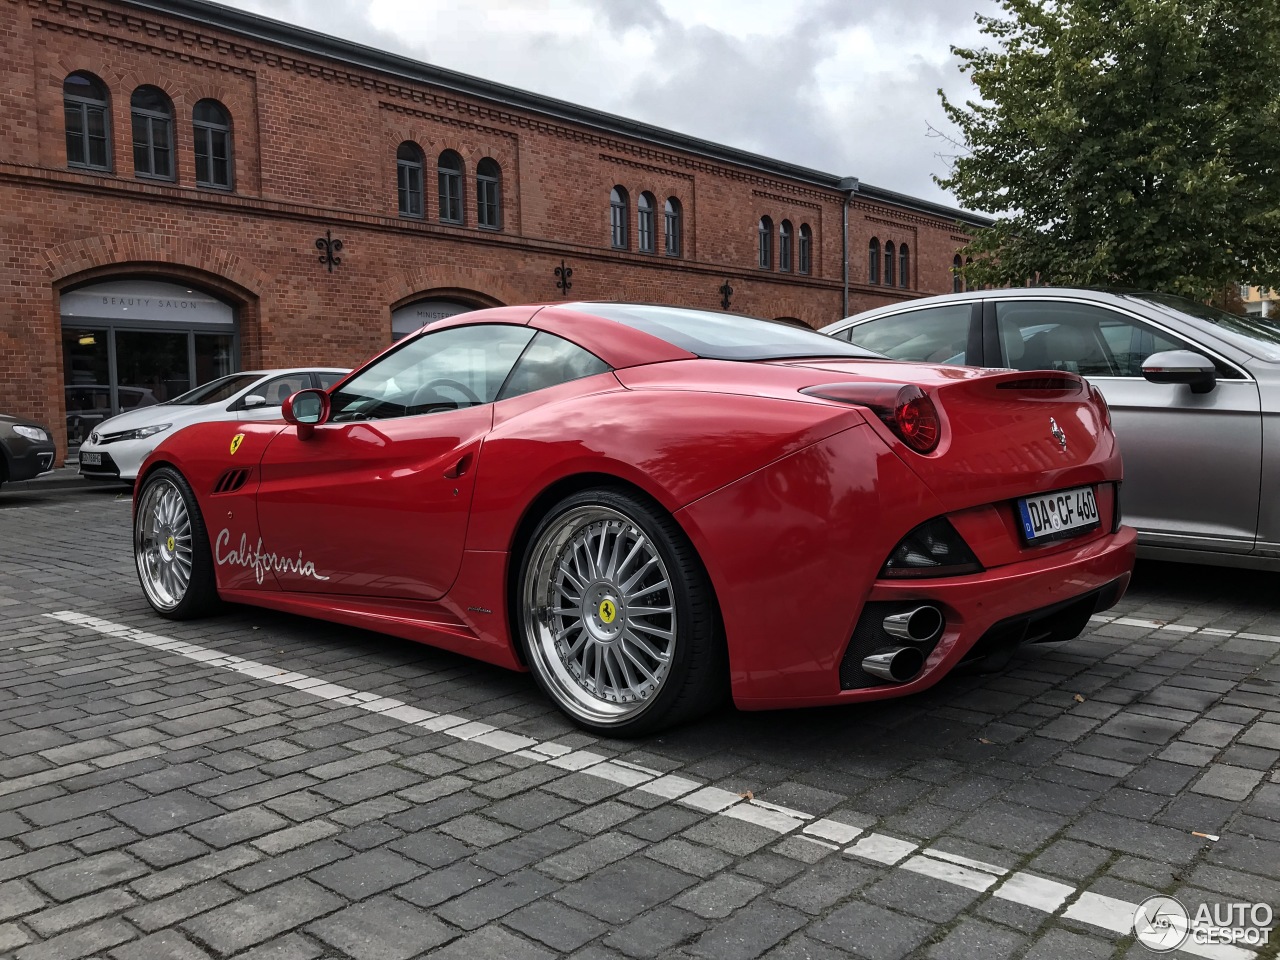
x=1215 y=632
x=1047 y=896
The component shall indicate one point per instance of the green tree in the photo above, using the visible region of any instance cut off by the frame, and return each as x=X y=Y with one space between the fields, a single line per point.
x=1124 y=142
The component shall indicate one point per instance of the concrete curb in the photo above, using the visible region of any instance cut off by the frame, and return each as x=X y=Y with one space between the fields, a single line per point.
x=63 y=478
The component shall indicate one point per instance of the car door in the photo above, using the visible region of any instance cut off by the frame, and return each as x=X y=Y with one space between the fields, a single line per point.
x=945 y=333
x=375 y=501
x=1192 y=462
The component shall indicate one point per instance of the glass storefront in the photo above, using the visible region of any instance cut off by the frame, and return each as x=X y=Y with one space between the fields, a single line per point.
x=133 y=343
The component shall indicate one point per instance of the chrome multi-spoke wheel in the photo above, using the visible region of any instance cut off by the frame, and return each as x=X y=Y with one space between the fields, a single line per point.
x=169 y=547
x=607 y=608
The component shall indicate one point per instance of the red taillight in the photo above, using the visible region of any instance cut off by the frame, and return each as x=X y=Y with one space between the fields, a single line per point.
x=908 y=410
x=1101 y=401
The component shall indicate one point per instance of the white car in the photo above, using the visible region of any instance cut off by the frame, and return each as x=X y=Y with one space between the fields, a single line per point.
x=116 y=447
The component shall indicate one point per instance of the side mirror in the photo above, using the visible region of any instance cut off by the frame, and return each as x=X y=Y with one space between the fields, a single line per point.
x=306 y=409
x=1181 y=366
x=253 y=400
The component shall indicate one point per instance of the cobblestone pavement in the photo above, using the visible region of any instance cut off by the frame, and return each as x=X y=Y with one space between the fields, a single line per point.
x=264 y=786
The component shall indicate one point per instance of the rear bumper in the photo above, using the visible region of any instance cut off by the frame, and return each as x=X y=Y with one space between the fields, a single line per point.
x=1048 y=598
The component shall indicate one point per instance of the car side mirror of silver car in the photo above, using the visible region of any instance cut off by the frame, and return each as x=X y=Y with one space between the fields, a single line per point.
x=306 y=409
x=254 y=400
x=1181 y=366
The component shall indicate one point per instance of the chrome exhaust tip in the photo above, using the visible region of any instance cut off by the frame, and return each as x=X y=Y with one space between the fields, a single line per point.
x=918 y=625
x=895 y=664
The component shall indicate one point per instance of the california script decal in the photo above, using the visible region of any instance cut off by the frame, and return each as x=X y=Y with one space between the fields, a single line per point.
x=259 y=560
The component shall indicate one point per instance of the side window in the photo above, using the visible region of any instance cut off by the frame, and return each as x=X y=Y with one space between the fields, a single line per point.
x=549 y=360
x=1084 y=339
x=274 y=391
x=931 y=335
x=325 y=380
x=433 y=373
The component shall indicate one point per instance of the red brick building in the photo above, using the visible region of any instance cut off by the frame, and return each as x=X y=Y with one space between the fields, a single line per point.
x=188 y=190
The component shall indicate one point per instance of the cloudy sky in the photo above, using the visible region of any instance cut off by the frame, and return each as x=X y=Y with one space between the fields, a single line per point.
x=844 y=86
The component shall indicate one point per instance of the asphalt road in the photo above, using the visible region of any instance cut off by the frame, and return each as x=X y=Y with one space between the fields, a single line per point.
x=267 y=786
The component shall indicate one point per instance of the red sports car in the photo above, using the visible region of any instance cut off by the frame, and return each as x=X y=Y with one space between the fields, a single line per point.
x=643 y=505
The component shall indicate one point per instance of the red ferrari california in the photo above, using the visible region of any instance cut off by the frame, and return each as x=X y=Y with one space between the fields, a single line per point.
x=644 y=505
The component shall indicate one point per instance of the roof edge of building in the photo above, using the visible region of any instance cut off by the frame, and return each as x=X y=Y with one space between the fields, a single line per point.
x=315 y=43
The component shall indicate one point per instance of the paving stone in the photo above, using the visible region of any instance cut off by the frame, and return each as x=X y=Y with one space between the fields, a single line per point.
x=77 y=913
x=366 y=874
x=527 y=848
x=292 y=946
x=168 y=811
x=442 y=885
x=95 y=938
x=871 y=931
x=1056 y=944
x=555 y=925
x=581 y=860
x=18 y=897
x=496 y=898
x=656 y=933
x=172 y=910
x=263 y=915
x=232 y=828
x=974 y=938
x=749 y=933
x=1229 y=783
x=166 y=945
x=71 y=880
x=620 y=891
x=383 y=928
x=821 y=887
x=492 y=943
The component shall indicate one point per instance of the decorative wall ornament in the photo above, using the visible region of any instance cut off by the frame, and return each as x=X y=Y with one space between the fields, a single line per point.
x=329 y=247
x=726 y=292
x=563 y=274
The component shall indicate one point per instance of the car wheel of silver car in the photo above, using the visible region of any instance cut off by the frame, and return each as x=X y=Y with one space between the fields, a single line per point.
x=171 y=548
x=617 y=616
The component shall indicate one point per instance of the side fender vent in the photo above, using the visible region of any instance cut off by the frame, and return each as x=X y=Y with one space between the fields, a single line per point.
x=231 y=481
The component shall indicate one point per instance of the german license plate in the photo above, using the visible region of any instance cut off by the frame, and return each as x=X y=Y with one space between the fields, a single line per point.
x=90 y=459
x=1055 y=516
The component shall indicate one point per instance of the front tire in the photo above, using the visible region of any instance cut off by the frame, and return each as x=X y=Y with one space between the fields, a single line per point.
x=171 y=548
x=617 y=616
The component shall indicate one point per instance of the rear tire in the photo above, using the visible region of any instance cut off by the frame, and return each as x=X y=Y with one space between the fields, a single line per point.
x=171 y=548
x=616 y=615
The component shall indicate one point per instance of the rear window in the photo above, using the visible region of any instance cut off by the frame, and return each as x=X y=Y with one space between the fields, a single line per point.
x=722 y=336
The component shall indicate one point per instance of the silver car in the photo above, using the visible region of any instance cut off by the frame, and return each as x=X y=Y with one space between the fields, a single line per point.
x=1194 y=395
x=116 y=447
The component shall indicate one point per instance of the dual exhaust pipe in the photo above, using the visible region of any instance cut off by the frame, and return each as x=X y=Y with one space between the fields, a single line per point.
x=900 y=664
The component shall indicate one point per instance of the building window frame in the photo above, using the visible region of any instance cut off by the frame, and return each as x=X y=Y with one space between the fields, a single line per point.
x=889 y=264
x=411 y=192
x=94 y=103
x=786 y=243
x=672 y=217
x=873 y=261
x=904 y=266
x=619 y=225
x=489 y=194
x=645 y=226
x=957 y=275
x=213 y=132
x=449 y=171
x=806 y=249
x=152 y=129
x=764 y=233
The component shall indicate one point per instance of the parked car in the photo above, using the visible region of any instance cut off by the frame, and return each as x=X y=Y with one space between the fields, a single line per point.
x=26 y=449
x=643 y=505
x=89 y=404
x=1194 y=395
x=116 y=447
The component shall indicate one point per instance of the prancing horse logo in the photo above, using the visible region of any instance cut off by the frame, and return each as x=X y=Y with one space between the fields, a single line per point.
x=235 y=443
x=1057 y=433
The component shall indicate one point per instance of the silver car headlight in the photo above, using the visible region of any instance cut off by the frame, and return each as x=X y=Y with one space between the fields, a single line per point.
x=31 y=433
x=142 y=432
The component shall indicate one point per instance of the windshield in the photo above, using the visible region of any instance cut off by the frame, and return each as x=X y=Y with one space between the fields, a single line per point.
x=216 y=391
x=723 y=336
x=1262 y=334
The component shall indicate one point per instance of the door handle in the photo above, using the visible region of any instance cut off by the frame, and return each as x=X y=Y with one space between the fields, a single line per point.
x=459 y=468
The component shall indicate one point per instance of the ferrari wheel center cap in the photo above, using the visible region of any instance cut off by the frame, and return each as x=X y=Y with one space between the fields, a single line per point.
x=168 y=546
x=602 y=612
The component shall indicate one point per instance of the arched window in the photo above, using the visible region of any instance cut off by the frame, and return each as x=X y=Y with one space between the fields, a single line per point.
x=211 y=125
x=888 y=263
x=873 y=261
x=765 y=230
x=806 y=249
x=449 y=166
x=619 y=229
x=904 y=266
x=785 y=240
x=644 y=223
x=409 y=185
x=957 y=281
x=88 y=118
x=489 y=194
x=672 y=218
x=152 y=133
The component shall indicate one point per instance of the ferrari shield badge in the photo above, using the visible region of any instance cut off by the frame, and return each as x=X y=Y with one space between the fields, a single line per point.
x=235 y=443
